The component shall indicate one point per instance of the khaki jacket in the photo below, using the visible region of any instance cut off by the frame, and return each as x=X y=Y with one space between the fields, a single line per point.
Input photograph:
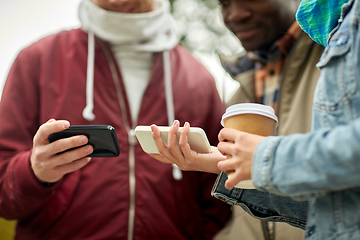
x=297 y=86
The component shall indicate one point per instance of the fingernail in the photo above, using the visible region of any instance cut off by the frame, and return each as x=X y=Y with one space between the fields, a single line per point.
x=176 y=122
x=83 y=140
x=88 y=149
x=66 y=124
x=186 y=124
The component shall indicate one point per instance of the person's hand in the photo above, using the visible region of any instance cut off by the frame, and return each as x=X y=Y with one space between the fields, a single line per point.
x=181 y=154
x=46 y=163
x=241 y=147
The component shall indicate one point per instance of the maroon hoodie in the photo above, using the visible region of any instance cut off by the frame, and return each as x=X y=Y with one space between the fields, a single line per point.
x=47 y=80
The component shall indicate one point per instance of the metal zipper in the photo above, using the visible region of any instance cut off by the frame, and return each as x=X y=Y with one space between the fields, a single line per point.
x=177 y=173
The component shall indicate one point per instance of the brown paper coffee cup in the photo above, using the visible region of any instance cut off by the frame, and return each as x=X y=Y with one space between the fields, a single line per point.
x=252 y=118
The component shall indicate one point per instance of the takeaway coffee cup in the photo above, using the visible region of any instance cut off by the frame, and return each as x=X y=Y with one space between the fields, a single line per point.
x=252 y=118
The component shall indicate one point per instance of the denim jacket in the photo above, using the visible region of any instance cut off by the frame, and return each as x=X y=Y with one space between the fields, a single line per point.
x=323 y=166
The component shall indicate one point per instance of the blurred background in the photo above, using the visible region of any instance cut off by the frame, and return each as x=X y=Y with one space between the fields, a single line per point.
x=199 y=23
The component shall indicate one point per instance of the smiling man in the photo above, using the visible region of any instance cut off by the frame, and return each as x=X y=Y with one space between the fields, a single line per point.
x=258 y=23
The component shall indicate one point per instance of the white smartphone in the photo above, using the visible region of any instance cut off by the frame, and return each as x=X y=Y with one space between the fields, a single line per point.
x=196 y=137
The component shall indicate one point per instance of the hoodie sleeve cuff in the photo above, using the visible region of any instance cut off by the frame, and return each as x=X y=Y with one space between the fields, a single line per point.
x=25 y=180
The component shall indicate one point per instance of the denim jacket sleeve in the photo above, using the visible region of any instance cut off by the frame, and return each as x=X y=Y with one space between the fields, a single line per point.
x=310 y=165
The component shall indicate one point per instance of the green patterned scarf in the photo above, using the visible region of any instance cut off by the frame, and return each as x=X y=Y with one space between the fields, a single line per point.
x=319 y=17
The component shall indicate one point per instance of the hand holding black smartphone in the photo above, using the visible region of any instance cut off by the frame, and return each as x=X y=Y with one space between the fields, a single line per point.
x=102 y=137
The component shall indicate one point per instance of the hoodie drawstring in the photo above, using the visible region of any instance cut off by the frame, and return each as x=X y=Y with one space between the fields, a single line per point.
x=88 y=113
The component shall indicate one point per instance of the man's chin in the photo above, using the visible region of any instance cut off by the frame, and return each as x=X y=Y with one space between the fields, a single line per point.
x=250 y=46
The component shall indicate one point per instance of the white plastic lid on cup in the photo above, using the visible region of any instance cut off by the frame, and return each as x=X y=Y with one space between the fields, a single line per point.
x=249 y=108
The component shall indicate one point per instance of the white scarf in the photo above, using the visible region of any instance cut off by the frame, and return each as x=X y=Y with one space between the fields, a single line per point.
x=152 y=31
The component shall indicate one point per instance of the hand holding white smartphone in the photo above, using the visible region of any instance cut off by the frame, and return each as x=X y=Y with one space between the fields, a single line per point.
x=196 y=137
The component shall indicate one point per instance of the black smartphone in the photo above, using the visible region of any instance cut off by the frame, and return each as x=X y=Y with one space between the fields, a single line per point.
x=102 y=137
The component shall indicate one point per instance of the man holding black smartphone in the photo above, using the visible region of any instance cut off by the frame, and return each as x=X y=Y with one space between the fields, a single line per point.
x=119 y=69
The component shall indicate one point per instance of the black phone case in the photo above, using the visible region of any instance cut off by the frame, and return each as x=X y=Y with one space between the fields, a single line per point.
x=102 y=137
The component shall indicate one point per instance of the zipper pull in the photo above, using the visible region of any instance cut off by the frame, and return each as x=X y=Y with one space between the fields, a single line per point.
x=132 y=138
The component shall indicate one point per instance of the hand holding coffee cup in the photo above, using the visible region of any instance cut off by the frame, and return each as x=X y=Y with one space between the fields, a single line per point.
x=251 y=118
